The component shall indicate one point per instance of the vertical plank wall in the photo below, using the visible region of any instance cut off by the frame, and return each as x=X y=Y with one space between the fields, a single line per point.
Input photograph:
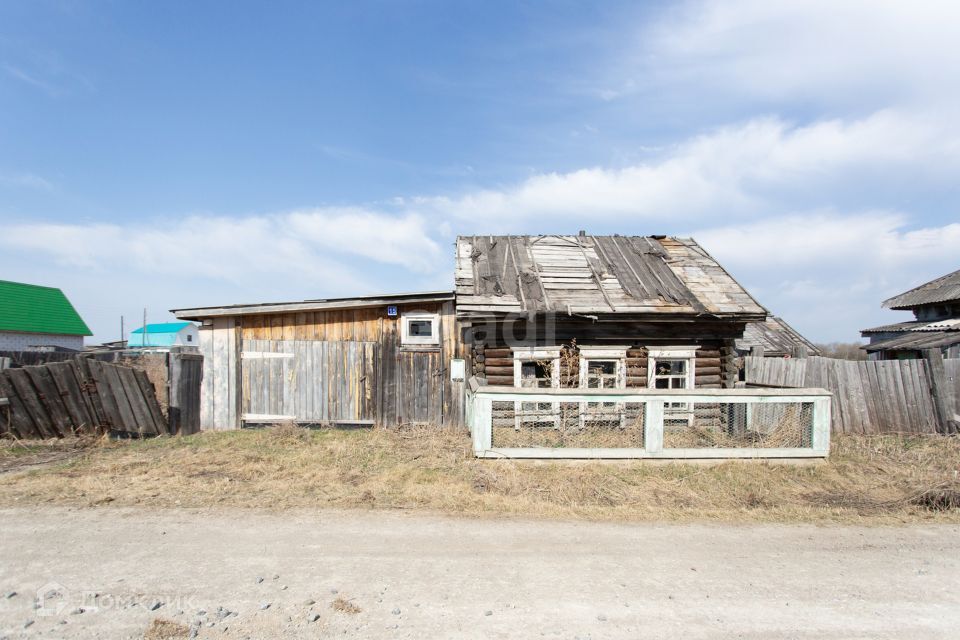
x=870 y=396
x=222 y=343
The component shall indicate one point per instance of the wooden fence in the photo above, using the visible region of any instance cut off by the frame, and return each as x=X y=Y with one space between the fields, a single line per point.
x=82 y=395
x=872 y=396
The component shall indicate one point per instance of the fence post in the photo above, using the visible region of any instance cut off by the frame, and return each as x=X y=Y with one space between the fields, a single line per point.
x=653 y=425
x=942 y=391
x=820 y=437
x=482 y=424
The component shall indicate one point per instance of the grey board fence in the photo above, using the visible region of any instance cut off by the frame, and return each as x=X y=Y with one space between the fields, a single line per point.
x=882 y=396
x=78 y=396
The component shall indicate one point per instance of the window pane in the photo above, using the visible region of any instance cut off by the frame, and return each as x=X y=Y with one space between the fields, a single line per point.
x=535 y=374
x=420 y=328
x=662 y=383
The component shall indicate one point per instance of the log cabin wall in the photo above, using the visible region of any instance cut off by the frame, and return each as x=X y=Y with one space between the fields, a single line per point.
x=491 y=353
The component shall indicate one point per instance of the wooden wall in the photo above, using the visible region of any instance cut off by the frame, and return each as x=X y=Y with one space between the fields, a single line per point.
x=413 y=383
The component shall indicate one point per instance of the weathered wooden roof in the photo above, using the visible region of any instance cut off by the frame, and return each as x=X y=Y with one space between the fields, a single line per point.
x=595 y=274
x=943 y=289
x=775 y=336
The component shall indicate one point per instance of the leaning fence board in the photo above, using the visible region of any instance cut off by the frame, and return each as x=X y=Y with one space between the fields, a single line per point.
x=64 y=374
x=33 y=406
x=49 y=395
x=18 y=418
x=148 y=400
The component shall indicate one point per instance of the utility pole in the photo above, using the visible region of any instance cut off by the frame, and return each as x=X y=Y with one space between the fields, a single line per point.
x=121 y=331
x=144 y=327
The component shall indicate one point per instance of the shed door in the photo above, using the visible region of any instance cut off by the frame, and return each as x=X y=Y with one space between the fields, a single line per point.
x=421 y=387
x=308 y=381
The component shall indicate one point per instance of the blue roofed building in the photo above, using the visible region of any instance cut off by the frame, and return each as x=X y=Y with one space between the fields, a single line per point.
x=164 y=335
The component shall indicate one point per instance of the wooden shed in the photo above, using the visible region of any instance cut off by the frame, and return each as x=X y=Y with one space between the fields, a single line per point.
x=367 y=360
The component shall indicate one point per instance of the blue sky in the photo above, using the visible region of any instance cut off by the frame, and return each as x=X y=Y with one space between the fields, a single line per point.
x=176 y=154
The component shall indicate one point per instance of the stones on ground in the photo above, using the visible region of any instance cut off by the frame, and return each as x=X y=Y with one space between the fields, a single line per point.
x=602 y=618
x=313 y=617
x=283 y=588
x=396 y=611
x=26 y=625
x=223 y=613
x=334 y=591
x=488 y=612
x=309 y=602
x=77 y=611
x=264 y=606
x=153 y=606
x=259 y=579
x=9 y=594
x=276 y=576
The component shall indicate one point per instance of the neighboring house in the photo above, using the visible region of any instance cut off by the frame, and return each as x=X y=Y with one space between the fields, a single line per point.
x=776 y=339
x=36 y=318
x=163 y=336
x=643 y=311
x=936 y=324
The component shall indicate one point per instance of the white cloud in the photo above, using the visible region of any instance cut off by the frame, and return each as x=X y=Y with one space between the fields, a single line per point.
x=210 y=260
x=819 y=51
x=738 y=170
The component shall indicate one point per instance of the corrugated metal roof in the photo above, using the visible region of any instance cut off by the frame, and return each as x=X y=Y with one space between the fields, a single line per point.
x=916 y=340
x=896 y=326
x=595 y=274
x=775 y=336
x=943 y=289
x=163 y=327
x=30 y=308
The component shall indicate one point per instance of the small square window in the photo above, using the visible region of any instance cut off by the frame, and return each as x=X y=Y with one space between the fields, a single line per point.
x=420 y=328
x=189 y=338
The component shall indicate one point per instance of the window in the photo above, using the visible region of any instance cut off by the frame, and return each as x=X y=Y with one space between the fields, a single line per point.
x=539 y=368
x=189 y=338
x=672 y=368
x=420 y=329
x=602 y=368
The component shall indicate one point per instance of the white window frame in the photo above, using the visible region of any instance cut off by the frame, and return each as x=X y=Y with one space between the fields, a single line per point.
x=536 y=354
x=616 y=354
x=677 y=410
x=432 y=340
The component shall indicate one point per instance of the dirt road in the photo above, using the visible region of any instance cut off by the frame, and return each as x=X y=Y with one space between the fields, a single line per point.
x=111 y=572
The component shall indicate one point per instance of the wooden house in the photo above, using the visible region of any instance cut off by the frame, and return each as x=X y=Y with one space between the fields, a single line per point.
x=936 y=322
x=551 y=311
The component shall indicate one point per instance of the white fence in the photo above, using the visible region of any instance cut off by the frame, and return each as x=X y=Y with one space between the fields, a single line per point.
x=510 y=422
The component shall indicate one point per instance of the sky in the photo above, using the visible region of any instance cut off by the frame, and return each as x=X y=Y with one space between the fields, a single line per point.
x=177 y=154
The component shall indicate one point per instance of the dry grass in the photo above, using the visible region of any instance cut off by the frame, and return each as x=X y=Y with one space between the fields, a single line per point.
x=881 y=479
x=162 y=629
x=343 y=605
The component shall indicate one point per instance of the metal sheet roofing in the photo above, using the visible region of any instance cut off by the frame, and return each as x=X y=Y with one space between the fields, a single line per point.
x=916 y=340
x=595 y=274
x=30 y=308
x=943 y=289
x=775 y=336
x=163 y=327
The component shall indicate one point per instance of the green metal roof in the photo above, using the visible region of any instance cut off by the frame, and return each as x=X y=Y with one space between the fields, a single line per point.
x=29 y=308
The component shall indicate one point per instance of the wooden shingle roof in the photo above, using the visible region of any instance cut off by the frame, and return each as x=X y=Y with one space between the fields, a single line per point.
x=595 y=274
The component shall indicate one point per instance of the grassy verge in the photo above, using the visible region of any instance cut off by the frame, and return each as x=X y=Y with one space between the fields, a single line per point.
x=882 y=479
